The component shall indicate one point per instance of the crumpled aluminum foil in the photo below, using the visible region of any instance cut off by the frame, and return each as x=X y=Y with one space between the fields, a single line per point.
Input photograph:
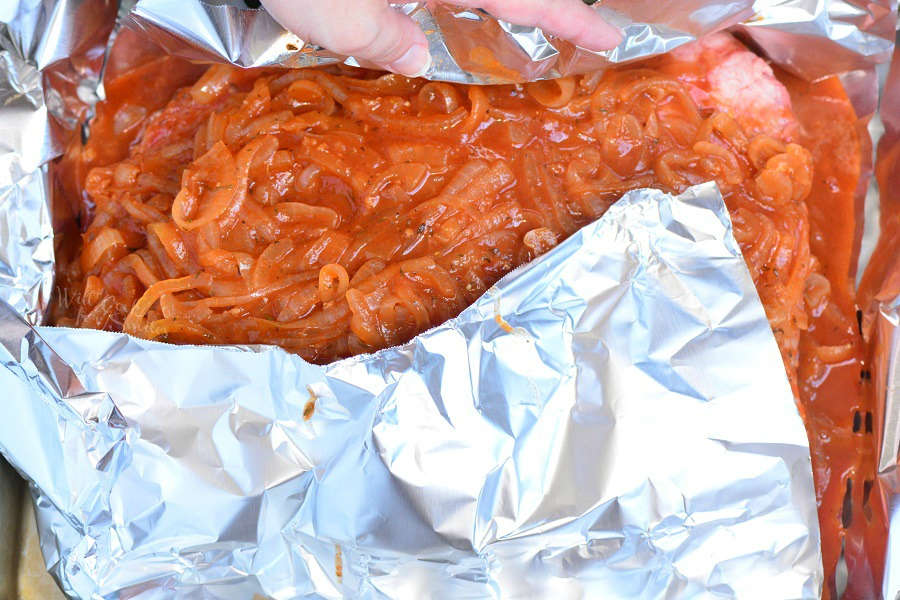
x=612 y=419
x=815 y=38
x=40 y=40
x=848 y=35
x=229 y=31
x=887 y=385
x=885 y=335
x=154 y=482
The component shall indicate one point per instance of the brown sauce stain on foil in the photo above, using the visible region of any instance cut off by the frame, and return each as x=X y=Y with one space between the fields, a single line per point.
x=310 y=407
x=338 y=563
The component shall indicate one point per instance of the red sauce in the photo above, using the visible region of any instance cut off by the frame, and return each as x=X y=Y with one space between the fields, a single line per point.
x=881 y=283
x=833 y=393
x=334 y=214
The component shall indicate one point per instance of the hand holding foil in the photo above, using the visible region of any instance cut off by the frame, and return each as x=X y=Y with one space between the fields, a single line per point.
x=373 y=31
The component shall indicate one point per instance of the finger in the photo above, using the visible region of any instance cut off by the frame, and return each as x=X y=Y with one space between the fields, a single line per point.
x=369 y=30
x=572 y=20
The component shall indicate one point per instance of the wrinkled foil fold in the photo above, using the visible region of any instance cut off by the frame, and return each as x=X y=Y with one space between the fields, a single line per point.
x=886 y=370
x=812 y=39
x=548 y=442
x=59 y=42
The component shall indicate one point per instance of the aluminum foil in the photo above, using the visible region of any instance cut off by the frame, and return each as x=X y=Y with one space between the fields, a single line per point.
x=575 y=433
x=847 y=35
x=887 y=369
x=814 y=39
x=229 y=31
x=606 y=447
x=884 y=315
x=41 y=42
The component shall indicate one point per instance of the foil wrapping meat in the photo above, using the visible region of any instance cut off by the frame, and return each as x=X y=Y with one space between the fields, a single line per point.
x=604 y=446
x=575 y=433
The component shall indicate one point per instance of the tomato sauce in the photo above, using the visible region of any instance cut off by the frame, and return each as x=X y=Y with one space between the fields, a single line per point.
x=837 y=397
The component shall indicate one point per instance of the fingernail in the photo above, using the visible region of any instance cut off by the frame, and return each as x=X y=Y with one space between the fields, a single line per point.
x=414 y=63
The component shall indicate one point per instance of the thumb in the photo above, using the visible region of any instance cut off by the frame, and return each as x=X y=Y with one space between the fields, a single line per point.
x=368 y=30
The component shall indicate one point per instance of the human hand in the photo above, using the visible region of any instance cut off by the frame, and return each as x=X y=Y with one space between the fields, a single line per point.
x=372 y=30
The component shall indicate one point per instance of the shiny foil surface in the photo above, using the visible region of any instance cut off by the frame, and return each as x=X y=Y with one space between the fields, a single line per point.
x=632 y=435
x=466 y=45
x=887 y=387
x=49 y=51
x=612 y=419
x=471 y=46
